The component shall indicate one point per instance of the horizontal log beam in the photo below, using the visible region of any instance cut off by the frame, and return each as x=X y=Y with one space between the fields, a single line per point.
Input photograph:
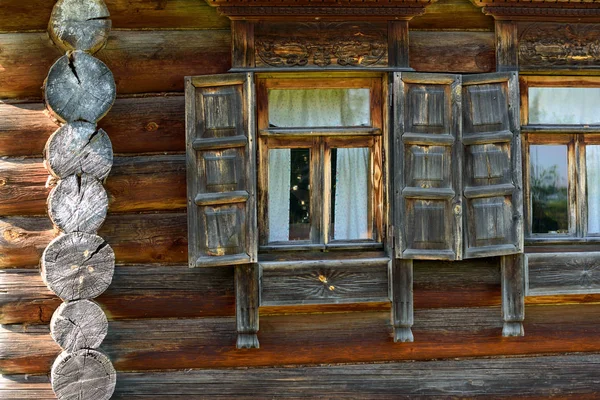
x=569 y=376
x=157 y=61
x=141 y=61
x=135 y=238
x=148 y=183
x=137 y=345
x=141 y=124
x=33 y=15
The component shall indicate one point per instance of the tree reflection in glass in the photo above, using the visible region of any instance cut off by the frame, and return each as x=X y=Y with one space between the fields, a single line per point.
x=549 y=189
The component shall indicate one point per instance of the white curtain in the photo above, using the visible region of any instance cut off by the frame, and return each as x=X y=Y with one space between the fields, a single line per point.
x=592 y=160
x=321 y=108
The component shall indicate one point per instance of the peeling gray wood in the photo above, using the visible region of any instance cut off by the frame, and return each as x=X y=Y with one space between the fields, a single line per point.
x=563 y=273
x=77 y=148
x=78 y=266
x=513 y=294
x=247 y=299
x=86 y=374
x=77 y=325
x=80 y=25
x=402 y=300
x=78 y=204
x=79 y=87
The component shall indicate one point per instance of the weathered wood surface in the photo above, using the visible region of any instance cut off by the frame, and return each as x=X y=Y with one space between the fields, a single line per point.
x=562 y=273
x=33 y=15
x=75 y=25
x=247 y=300
x=342 y=281
x=142 y=62
x=137 y=291
x=567 y=377
x=513 y=294
x=148 y=61
x=315 y=339
x=135 y=125
x=174 y=291
x=135 y=238
x=402 y=315
x=78 y=325
x=79 y=87
x=77 y=148
x=78 y=204
x=85 y=374
x=453 y=15
x=78 y=266
x=23 y=188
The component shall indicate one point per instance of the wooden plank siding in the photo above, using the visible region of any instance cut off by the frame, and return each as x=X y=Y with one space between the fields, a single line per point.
x=567 y=377
x=302 y=339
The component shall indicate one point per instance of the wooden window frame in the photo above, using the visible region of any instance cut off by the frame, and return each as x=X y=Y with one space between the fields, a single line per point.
x=576 y=138
x=320 y=141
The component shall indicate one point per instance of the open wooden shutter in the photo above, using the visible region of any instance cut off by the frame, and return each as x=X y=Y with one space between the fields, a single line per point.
x=492 y=167
x=427 y=179
x=221 y=162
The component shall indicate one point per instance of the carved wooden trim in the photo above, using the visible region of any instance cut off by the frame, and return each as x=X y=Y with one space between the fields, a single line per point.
x=270 y=11
x=551 y=10
x=559 y=45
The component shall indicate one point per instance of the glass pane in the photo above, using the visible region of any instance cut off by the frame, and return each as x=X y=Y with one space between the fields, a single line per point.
x=572 y=106
x=350 y=193
x=289 y=194
x=592 y=163
x=319 y=107
x=549 y=189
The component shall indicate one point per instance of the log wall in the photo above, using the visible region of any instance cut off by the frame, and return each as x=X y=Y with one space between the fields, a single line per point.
x=152 y=46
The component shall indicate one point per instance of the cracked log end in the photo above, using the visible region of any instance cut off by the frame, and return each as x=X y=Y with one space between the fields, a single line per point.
x=78 y=266
x=86 y=374
x=80 y=25
x=79 y=148
x=79 y=87
x=78 y=204
x=78 y=325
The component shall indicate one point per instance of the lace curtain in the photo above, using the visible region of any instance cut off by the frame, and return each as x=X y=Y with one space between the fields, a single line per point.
x=321 y=108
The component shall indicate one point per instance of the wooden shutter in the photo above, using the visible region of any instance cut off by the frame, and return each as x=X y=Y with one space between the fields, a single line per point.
x=492 y=167
x=221 y=162
x=427 y=178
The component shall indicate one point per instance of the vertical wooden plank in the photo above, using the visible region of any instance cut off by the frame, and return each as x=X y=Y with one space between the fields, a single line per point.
x=398 y=44
x=247 y=300
x=507 y=57
x=513 y=294
x=402 y=300
x=242 y=44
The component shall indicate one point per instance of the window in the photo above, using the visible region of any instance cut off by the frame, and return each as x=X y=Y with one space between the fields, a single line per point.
x=320 y=165
x=561 y=158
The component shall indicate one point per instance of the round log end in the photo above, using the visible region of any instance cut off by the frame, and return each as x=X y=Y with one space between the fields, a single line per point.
x=86 y=374
x=79 y=148
x=78 y=266
x=79 y=87
x=80 y=25
x=78 y=204
x=78 y=325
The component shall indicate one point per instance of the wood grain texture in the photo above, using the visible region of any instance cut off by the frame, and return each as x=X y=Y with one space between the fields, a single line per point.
x=135 y=238
x=76 y=148
x=453 y=15
x=75 y=25
x=24 y=192
x=402 y=315
x=513 y=294
x=78 y=325
x=567 y=377
x=78 y=204
x=562 y=273
x=79 y=87
x=78 y=266
x=141 y=62
x=137 y=291
x=315 y=339
x=19 y=16
x=247 y=300
x=85 y=374
x=135 y=125
x=342 y=281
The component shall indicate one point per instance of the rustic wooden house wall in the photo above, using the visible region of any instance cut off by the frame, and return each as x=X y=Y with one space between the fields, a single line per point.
x=165 y=316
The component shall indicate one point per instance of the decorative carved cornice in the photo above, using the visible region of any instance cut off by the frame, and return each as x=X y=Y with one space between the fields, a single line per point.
x=573 y=10
x=267 y=11
x=555 y=45
x=352 y=45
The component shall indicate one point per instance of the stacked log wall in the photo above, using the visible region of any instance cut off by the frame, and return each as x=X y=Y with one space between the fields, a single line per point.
x=152 y=46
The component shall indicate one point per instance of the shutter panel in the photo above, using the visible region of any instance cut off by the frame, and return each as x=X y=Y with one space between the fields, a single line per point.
x=427 y=201
x=492 y=191
x=221 y=166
